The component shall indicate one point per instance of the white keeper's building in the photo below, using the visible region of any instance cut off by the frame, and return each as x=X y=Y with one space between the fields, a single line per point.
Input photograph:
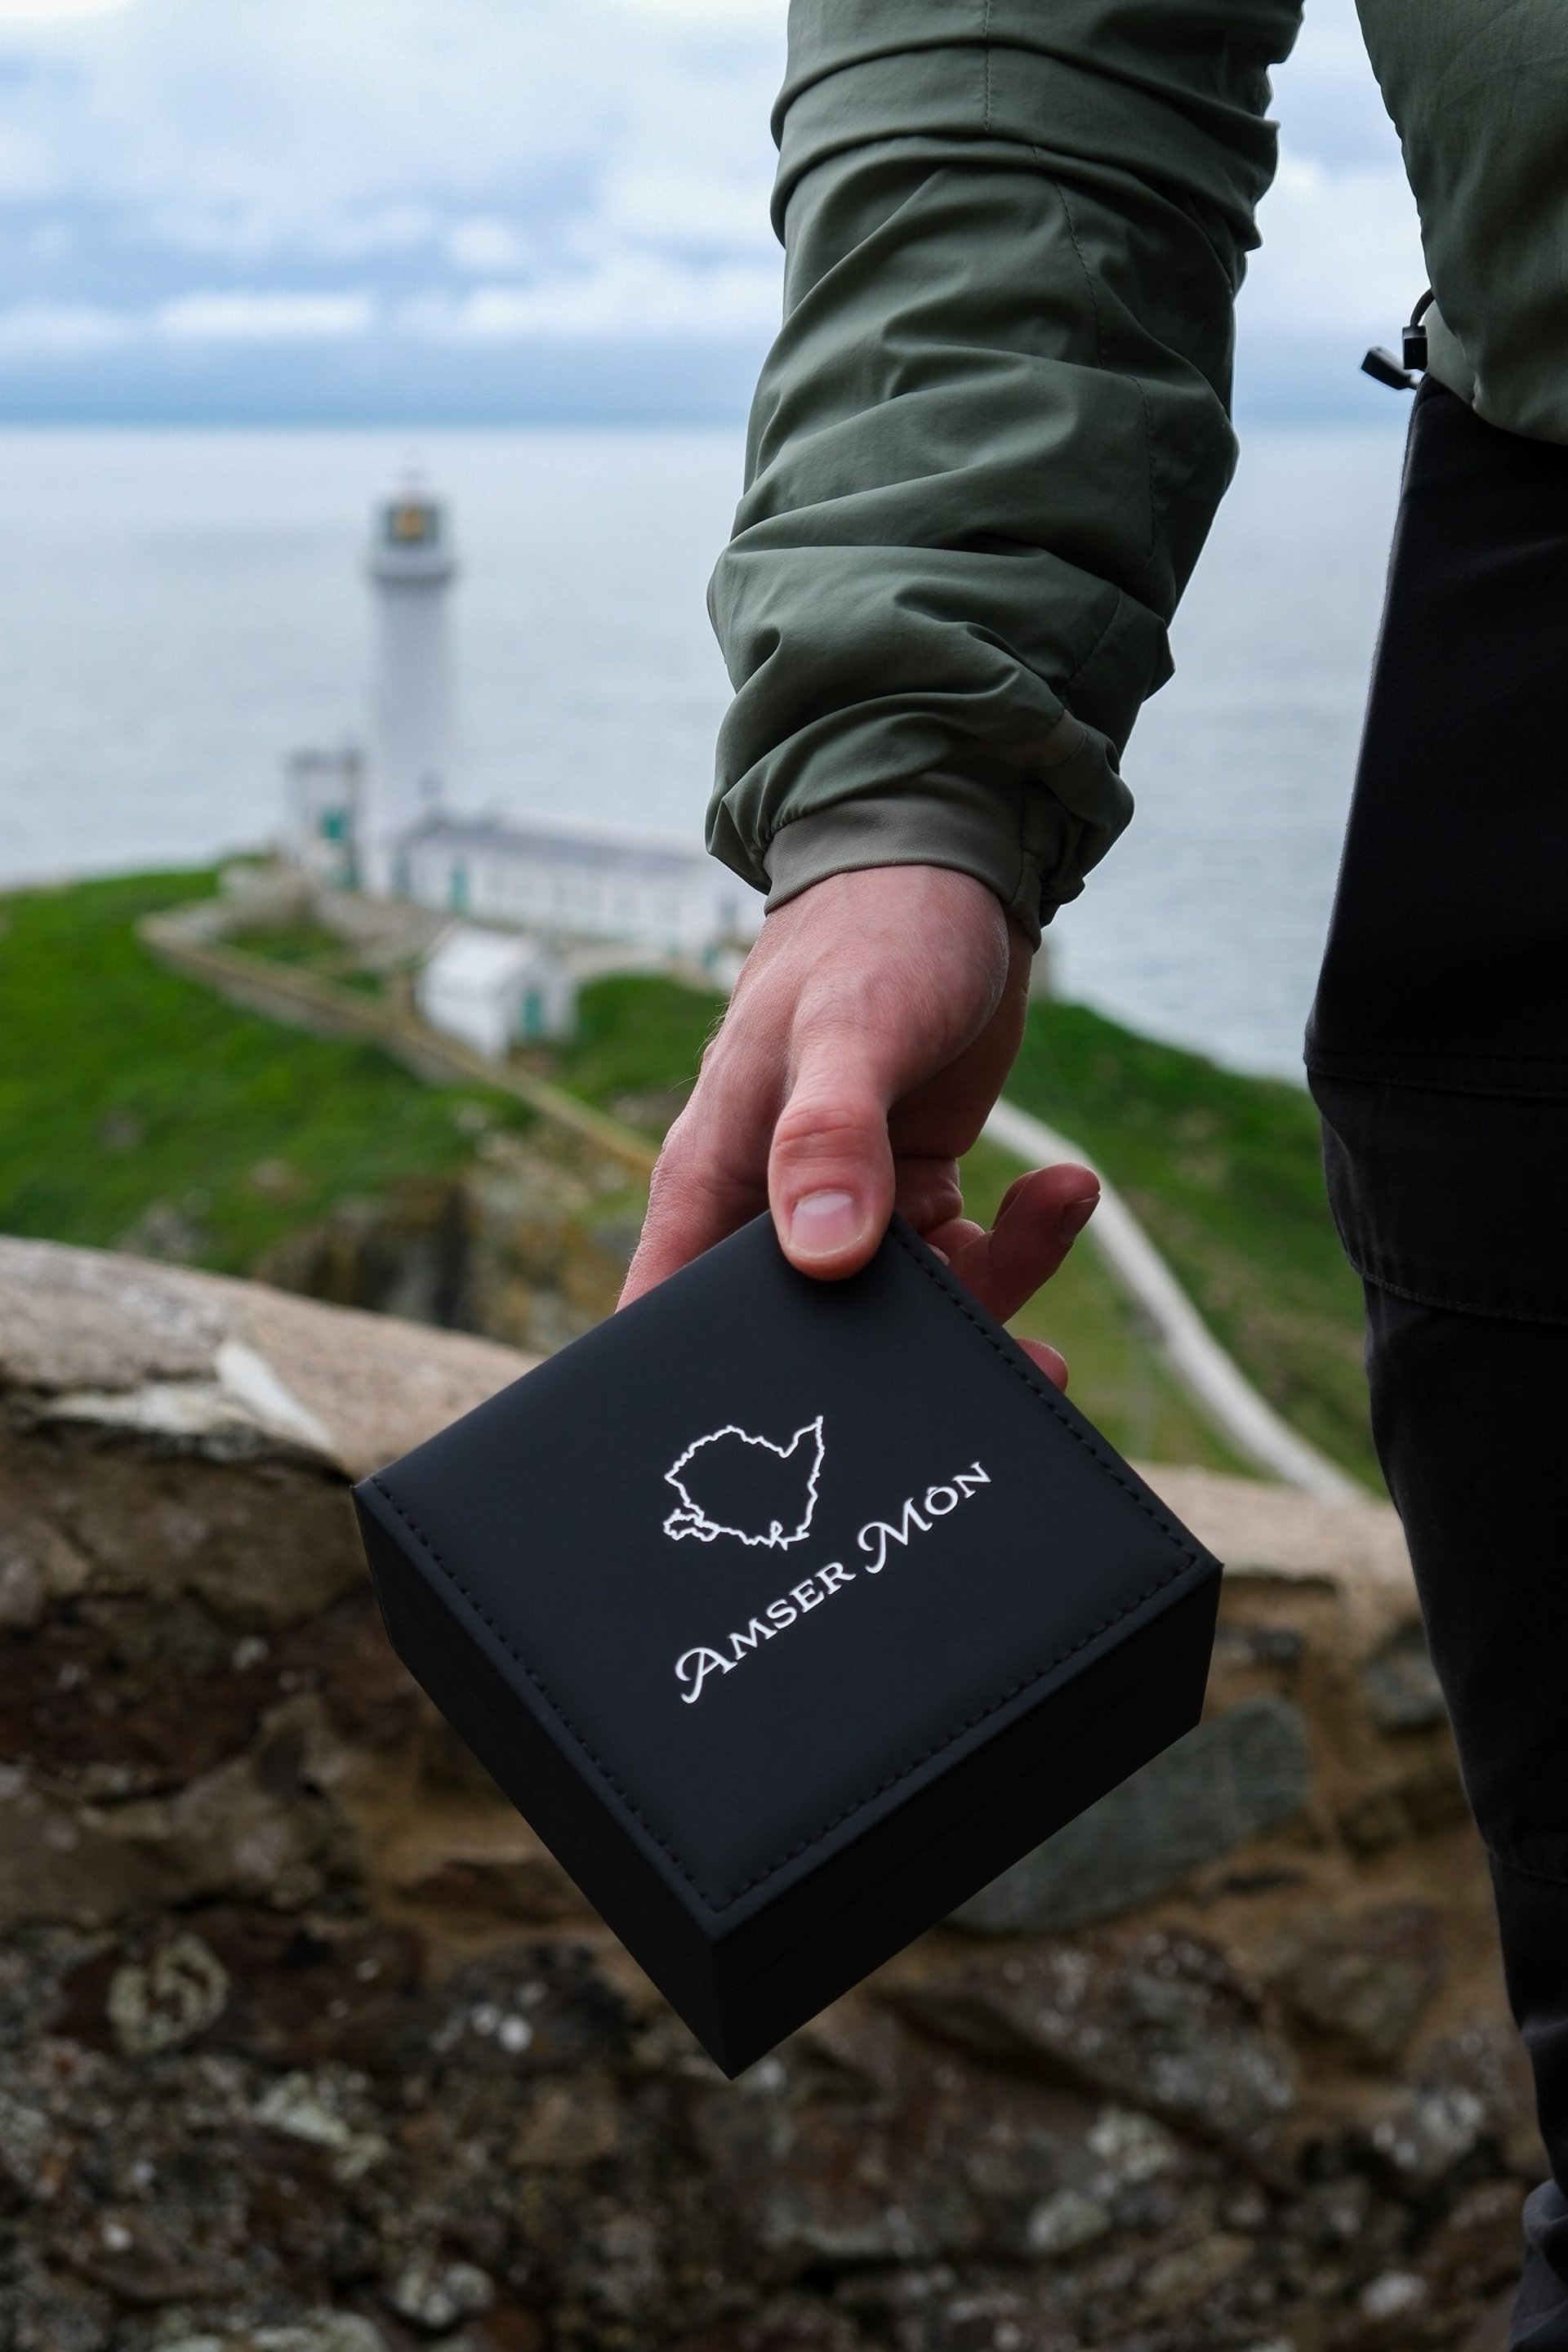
x=562 y=879
x=495 y=990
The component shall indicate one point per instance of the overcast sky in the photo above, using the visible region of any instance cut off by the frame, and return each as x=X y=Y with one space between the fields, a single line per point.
x=488 y=208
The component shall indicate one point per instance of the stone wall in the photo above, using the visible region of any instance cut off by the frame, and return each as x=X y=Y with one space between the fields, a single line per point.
x=310 y=2047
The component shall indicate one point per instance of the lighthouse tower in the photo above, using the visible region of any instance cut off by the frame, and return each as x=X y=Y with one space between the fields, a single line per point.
x=411 y=570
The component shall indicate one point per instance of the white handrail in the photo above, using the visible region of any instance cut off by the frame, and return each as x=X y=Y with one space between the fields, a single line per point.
x=1213 y=1378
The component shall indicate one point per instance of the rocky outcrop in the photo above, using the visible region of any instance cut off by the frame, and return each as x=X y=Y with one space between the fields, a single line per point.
x=530 y=1244
x=310 y=2047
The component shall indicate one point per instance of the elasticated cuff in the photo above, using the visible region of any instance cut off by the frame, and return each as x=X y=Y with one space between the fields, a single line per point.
x=1017 y=838
x=897 y=828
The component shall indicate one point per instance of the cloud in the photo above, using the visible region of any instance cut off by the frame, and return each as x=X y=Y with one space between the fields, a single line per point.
x=627 y=296
x=1315 y=222
x=246 y=234
x=769 y=13
x=60 y=330
x=455 y=174
x=1325 y=95
x=57 y=12
x=669 y=201
x=52 y=330
x=1341 y=261
x=264 y=317
x=484 y=244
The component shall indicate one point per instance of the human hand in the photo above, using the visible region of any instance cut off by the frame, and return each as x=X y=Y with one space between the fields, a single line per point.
x=868 y=1035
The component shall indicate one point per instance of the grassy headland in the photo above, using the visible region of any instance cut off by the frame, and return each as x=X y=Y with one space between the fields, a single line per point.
x=131 y=1095
x=135 y=1106
x=1224 y=1171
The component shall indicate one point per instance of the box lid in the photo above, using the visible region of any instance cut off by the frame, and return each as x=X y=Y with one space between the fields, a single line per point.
x=761 y=1553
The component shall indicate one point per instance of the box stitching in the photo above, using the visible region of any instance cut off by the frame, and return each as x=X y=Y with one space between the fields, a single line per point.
x=1024 y=1368
x=1025 y=1371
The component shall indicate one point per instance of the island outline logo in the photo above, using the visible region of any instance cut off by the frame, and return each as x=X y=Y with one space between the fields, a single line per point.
x=728 y=1474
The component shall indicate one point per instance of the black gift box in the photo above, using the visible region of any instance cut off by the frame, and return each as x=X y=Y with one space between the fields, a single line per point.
x=790 y=1613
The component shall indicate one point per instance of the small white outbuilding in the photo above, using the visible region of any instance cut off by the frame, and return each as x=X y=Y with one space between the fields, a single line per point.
x=494 y=989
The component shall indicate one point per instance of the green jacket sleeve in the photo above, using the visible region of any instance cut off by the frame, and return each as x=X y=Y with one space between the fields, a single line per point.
x=992 y=432
x=1478 y=90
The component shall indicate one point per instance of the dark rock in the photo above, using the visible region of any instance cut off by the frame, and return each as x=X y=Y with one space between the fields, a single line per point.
x=935 y=2314
x=1401 y=1684
x=1261 y=1646
x=434 y=2295
x=1224 y=1783
x=518 y=1248
x=783 y=2323
x=526 y=2011
x=485 y=1883
x=1365 y=1981
x=344 y=1653
x=1490 y=2332
x=1422 y=1800
x=49 y=2311
x=125 y=2253
x=258 y=1826
x=403 y=1253
x=98 y=1694
x=56 y=1865
x=172 y=1996
x=25 y=2150
x=1472 y=2094
x=1160 y=2025
x=569 y=2124
x=294 y=1992
x=1475 y=2247
x=448 y=1763
x=1389 y=2310
x=37 y=1567
x=317 y=2331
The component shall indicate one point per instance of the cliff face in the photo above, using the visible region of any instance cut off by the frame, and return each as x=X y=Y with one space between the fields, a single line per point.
x=310 y=2047
x=528 y=1247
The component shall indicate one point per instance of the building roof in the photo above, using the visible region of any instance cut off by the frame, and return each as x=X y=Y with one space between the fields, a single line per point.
x=469 y=958
x=560 y=845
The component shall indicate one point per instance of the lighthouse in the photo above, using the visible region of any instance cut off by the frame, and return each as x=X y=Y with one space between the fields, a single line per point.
x=411 y=570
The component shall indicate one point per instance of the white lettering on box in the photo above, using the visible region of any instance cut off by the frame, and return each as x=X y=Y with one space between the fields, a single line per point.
x=694 y=1666
x=884 y=1529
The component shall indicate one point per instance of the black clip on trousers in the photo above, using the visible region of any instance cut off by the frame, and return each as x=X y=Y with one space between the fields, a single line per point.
x=1437 y=1054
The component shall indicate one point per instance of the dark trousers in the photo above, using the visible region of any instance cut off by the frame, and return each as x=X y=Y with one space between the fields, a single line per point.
x=1437 y=1054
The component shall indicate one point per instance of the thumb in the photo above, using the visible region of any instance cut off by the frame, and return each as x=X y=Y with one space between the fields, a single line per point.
x=830 y=1170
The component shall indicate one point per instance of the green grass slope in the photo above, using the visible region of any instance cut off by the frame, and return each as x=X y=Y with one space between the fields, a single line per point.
x=125 y=1089
x=1225 y=1171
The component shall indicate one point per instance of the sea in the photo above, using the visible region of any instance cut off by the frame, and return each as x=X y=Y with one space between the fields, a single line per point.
x=179 y=608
